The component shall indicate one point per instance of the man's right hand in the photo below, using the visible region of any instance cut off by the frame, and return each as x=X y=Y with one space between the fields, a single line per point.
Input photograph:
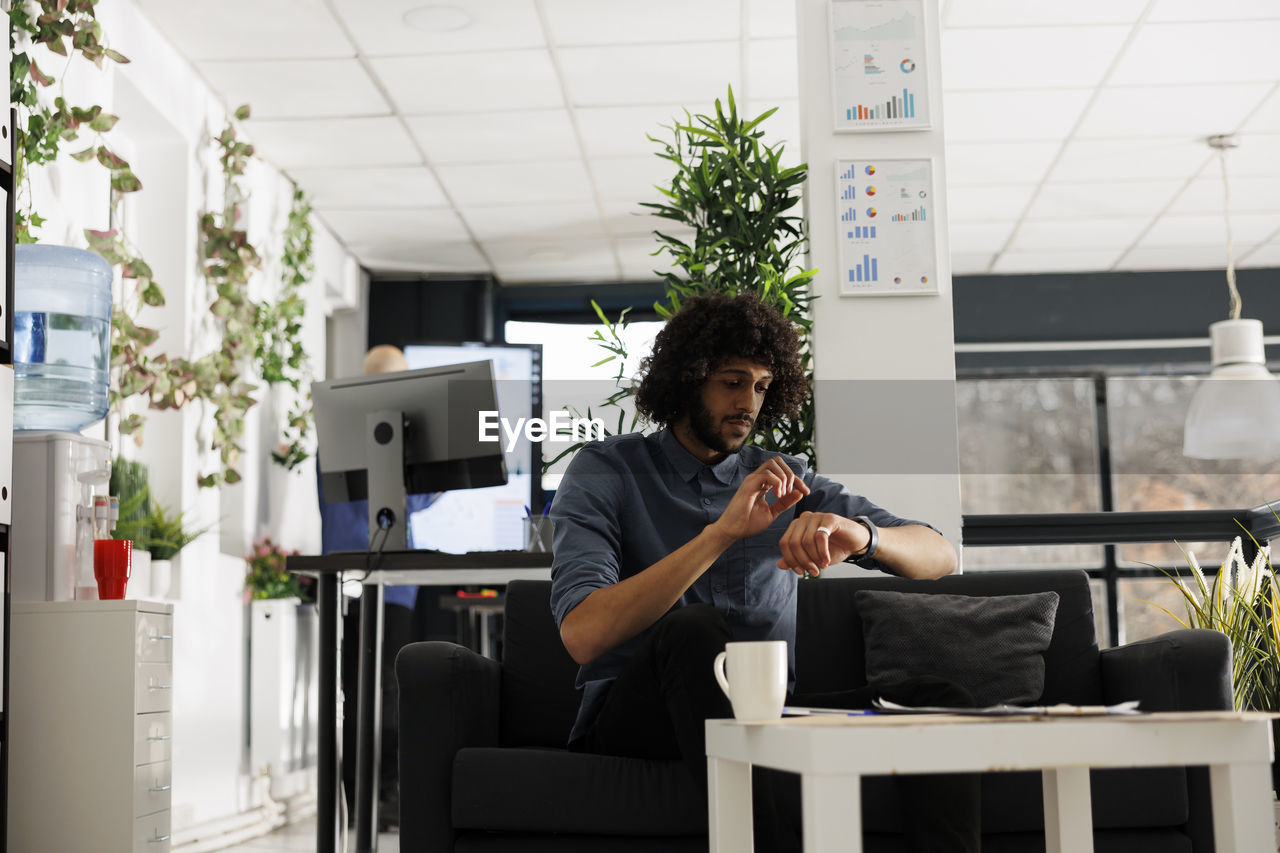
x=749 y=512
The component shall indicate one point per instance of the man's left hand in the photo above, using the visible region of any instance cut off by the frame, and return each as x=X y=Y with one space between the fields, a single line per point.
x=815 y=540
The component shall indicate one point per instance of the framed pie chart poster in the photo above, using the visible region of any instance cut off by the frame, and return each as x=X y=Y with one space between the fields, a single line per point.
x=884 y=217
x=878 y=75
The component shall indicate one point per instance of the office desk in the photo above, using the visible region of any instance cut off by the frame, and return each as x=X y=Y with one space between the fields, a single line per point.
x=419 y=568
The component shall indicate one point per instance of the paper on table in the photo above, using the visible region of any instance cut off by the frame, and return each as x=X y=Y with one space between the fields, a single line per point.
x=884 y=706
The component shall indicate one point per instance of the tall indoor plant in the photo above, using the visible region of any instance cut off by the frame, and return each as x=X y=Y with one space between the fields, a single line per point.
x=733 y=191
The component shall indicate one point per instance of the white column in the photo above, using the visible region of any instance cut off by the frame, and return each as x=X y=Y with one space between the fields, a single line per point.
x=885 y=365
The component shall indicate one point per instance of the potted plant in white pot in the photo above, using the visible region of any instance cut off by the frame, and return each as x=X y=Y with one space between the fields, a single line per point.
x=167 y=536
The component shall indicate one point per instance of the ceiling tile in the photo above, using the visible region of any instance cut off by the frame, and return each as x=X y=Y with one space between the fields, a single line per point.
x=299 y=88
x=1098 y=232
x=534 y=220
x=1012 y=263
x=1210 y=229
x=502 y=184
x=1202 y=52
x=1160 y=110
x=553 y=260
x=1121 y=159
x=1175 y=258
x=635 y=254
x=773 y=70
x=1111 y=198
x=1219 y=10
x=621 y=131
x=695 y=74
x=380 y=28
x=1005 y=116
x=631 y=178
x=771 y=18
x=471 y=82
x=1257 y=156
x=373 y=227
x=629 y=219
x=988 y=203
x=1267 y=118
x=970 y=263
x=370 y=188
x=1255 y=195
x=606 y=22
x=1028 y=57
x=979 y=238
x=1267 y=255
x=506 y=137
x=1012 y=13
x=250 y=29
x=1000 y=162
x=421 y=256
x=338 y=142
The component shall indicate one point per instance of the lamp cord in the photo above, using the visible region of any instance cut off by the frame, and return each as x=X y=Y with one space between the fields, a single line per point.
x=1233 y=304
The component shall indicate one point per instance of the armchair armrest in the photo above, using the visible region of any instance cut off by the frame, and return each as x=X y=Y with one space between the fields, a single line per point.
x=1183 y=670
x=449 y=699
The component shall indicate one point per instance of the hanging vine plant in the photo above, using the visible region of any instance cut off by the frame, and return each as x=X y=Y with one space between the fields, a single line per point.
x=279 y=352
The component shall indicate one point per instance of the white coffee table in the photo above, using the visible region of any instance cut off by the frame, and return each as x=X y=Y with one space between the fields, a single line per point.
x=831 y=754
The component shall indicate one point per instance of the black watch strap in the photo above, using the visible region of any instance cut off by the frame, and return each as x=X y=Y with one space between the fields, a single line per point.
x=873 y=542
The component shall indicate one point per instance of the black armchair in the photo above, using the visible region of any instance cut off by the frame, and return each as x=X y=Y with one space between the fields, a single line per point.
x=483 y=765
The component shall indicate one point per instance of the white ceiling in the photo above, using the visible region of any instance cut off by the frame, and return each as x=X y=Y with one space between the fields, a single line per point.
x=1075 y=128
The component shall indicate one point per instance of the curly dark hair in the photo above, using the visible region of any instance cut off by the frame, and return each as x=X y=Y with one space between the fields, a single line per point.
x=705 y=333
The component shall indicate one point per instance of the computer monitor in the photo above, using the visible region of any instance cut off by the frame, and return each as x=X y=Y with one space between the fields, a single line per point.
x=487 y=519
x=387 y=435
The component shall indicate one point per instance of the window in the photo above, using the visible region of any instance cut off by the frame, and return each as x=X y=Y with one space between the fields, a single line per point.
x=572 y=378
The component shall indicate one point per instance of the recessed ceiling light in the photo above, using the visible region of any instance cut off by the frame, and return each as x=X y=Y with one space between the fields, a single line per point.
x=438 y=19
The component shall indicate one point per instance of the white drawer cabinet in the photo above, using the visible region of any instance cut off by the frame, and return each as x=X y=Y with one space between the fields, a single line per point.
x=90 y=698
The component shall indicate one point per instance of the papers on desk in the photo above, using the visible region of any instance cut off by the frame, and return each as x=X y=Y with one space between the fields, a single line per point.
x=884 y=706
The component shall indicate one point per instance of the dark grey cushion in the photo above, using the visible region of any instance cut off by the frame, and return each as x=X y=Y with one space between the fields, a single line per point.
x=993 y=646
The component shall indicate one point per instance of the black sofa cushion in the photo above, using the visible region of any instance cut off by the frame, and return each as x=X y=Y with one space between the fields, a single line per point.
x=549 y=790
x=539 y=701
x=991 y=645
x=830 y=650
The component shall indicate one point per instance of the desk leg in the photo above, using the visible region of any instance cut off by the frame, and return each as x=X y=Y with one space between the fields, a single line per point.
x=1068 y=811
x=729 y=804
x=1242 y=815
x=368 y=719
x=831 y=813
x=327 y=744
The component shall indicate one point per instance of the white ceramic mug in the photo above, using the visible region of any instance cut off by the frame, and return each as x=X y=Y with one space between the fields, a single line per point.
x=756 y=681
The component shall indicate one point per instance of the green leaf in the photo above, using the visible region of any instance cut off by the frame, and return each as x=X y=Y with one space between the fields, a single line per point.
x=116 y=56
x=110 y=160
x=103 y=122
x=125 y=182
x=84 y=156
x=242 y=112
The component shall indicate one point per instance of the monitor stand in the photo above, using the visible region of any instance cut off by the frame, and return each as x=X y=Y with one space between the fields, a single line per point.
x=384 y=438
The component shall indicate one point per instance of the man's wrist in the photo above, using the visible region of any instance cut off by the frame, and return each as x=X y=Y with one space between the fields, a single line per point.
x=873 y=538
x=718 y=536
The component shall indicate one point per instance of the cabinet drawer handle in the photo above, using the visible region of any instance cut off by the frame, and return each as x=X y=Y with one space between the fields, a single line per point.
x=159 y=686
x=160 y=789
x=155 y=637
x=158 y=839
x=160 y=737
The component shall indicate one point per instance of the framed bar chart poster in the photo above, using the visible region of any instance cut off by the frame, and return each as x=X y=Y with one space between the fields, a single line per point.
x=878 y=76
x=885 y=214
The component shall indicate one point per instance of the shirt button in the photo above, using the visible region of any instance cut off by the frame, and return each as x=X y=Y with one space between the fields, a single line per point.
x=706 y=501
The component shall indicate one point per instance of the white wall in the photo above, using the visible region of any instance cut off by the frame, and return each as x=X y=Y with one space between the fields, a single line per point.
x=167 y=121
x=884 y=366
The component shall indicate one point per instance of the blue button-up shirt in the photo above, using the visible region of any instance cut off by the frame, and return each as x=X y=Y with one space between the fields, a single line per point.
x=628 y=501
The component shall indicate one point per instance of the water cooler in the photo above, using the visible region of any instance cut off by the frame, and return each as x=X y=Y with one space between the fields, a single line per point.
x=58 y=473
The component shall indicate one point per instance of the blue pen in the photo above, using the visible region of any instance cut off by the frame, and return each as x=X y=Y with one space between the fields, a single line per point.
x=528 y=513
x=546 y=508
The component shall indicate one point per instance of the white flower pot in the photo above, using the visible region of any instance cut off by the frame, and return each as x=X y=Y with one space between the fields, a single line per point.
x=162 y=579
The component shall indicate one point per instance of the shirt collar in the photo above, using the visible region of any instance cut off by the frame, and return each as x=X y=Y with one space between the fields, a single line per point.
x=688 y=466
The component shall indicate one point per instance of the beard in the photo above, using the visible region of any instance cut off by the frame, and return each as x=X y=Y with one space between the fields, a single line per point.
x=704 y=427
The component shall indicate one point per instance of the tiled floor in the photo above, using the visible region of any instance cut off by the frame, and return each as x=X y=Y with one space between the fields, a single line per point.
x=299 y=837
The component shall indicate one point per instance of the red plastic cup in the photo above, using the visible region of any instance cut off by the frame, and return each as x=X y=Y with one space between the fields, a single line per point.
x=112 y=565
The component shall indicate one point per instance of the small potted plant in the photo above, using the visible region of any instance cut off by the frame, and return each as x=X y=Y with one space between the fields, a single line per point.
x=168 y=534
x=267 y=578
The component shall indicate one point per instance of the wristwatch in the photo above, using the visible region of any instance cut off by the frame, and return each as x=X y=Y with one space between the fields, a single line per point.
x=872 y=543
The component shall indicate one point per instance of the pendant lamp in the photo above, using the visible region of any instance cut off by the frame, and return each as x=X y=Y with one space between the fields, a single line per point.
x=1235 y=412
